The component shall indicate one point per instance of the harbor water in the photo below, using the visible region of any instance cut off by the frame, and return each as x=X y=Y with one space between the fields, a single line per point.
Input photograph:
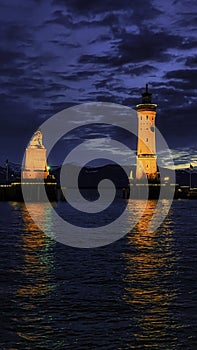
x=139 y=292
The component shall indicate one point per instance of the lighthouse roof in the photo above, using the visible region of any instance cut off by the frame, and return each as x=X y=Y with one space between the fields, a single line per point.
x=146 y=96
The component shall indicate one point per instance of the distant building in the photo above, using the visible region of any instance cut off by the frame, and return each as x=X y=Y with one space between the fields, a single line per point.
x=146 y=148
x=35 y=165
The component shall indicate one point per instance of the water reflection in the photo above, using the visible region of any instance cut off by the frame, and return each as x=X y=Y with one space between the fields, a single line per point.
x=148 y=281
x=37 y=280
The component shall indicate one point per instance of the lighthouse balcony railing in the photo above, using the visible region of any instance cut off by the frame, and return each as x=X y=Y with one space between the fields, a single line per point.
x=143 y=155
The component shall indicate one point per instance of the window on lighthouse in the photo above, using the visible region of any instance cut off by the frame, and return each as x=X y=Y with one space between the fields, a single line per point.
x=147 y=117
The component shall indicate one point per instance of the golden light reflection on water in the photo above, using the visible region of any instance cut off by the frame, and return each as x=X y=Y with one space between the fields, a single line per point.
x=149 y=262
x=37 y=276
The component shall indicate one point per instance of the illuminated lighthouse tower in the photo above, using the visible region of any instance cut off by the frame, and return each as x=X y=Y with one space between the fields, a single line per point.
x=146 y=149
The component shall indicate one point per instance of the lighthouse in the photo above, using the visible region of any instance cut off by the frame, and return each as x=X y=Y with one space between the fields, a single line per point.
x=146 y=147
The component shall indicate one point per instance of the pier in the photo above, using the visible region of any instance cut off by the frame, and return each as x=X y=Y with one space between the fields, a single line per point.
x=37 y=191
x=13 y=191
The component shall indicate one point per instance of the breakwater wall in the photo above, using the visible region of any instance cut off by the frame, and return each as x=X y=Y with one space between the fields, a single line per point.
x=41 y=192
x=34 y=192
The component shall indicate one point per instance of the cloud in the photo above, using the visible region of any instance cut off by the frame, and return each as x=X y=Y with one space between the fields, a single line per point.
x=136 y=48
x=182 y=158
x=183 y=76
x=77 y=51
x=86 y=7
x=10 y=57
x=191 y=61
x=61 y=18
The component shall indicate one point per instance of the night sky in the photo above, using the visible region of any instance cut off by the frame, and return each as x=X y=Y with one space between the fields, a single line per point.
x=56 y=53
